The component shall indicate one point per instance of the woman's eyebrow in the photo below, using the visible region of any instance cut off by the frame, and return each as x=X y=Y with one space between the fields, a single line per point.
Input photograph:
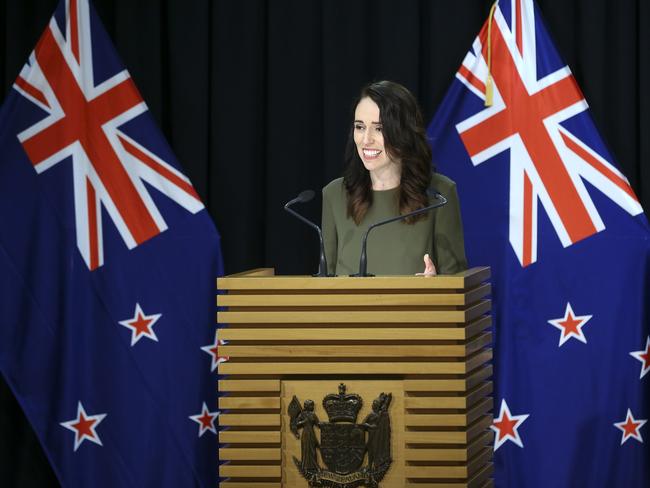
x=362 y=122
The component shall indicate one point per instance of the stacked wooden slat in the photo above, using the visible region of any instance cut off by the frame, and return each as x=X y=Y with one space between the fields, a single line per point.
x=431 y=334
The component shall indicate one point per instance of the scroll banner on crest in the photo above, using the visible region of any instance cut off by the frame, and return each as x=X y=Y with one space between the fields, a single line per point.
x=544 y=204
x=108 y=261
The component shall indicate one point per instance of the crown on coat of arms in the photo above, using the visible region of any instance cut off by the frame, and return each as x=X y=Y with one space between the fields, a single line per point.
x=342 y=407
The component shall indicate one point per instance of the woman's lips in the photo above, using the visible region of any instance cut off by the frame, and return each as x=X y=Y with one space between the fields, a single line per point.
x=371 y=153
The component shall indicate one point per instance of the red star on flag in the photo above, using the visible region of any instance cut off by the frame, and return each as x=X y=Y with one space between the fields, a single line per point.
x=506 y=426
x=644 y=357
x=213 y=350
x=205 y=420
x=630 y=428
x=571 y=325
x=141 y=325
x=84 y=426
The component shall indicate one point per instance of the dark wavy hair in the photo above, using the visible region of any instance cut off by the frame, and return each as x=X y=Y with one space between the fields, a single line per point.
x=404 y=140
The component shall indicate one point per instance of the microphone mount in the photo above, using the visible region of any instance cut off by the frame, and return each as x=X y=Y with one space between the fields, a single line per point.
x=304 y=197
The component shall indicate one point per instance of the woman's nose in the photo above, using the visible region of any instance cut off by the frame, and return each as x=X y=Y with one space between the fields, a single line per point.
x=367 y=136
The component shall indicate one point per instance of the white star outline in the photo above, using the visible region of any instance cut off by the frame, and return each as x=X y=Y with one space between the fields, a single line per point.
x=636 y=435
x=579 y=335
x=135 y=336
x=197 y=418
x=520 y=419
x=645 y=363
x=216 y=359
x=81 y=412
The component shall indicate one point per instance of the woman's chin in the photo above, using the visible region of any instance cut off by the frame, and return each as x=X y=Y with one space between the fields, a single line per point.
x=372 y=165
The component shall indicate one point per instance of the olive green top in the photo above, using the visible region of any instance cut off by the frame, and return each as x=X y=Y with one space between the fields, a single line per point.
x=396 y=248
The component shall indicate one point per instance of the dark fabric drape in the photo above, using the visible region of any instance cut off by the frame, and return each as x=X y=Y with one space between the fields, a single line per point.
x=255 y=99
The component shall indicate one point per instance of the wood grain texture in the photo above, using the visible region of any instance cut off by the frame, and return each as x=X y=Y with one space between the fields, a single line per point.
x=356 y=316
x=478 y=480
x=249 y=437
x=357 y=333
x=451 y=471
x=249 y=403
x=249 y=385
x=356 y=351
x=457 y=454
x=237 y=419
x=465 y=436
x=447 y=402
x=449 y=419
x=249 y=471
x=354 y=300
x=249 y=454
x=459 y=385
x=342 y=368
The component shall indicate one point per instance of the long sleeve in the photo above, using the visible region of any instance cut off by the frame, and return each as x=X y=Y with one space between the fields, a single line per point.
x=448 y=240
x=330 y=239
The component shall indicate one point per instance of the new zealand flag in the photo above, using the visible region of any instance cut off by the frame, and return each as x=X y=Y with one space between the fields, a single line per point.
x=545 y=206
x=108 y=262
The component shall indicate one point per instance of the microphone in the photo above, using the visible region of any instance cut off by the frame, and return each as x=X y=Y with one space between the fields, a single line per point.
x=363 y=260
x=304 y=197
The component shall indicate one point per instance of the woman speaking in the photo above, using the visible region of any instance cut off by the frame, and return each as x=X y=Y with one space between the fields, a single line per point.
x=388 y=173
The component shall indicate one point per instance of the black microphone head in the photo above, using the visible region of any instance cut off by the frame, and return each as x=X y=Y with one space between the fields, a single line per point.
x=305 y=196
x=433 y=193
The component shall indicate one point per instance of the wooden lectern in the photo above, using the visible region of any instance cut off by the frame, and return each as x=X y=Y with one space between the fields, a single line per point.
x=426 y=341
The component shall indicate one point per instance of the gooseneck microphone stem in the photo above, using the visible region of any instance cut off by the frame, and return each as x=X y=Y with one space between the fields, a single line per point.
x=305 y=196
x=363 y=260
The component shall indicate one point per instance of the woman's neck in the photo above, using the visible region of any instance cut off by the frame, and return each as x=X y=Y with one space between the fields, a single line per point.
x=386 y=178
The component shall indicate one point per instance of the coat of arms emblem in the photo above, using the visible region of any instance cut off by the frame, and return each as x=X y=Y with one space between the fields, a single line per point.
x=343 y=444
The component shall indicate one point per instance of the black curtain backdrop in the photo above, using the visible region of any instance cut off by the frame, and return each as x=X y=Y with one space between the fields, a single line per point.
x=255 y=99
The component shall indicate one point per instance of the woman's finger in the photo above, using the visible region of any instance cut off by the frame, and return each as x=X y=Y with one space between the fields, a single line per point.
x=429 y=267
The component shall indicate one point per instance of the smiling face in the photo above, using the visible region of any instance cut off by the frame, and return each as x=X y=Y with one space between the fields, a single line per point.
x=369 y=138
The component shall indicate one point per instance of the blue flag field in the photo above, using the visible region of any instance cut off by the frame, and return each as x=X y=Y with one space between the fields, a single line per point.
x=545 y=206
x=108 y=261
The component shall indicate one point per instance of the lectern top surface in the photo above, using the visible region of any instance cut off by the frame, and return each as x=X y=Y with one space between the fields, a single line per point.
x=264 y=278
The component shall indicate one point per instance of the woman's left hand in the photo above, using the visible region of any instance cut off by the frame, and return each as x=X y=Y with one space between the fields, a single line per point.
x=429 y=267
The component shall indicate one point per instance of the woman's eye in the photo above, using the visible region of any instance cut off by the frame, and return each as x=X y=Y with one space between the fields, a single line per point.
x=358 y=127
x=378 y=128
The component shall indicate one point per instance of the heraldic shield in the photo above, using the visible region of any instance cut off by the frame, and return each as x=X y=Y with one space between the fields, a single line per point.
x=343 y=443
x=343 y=446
